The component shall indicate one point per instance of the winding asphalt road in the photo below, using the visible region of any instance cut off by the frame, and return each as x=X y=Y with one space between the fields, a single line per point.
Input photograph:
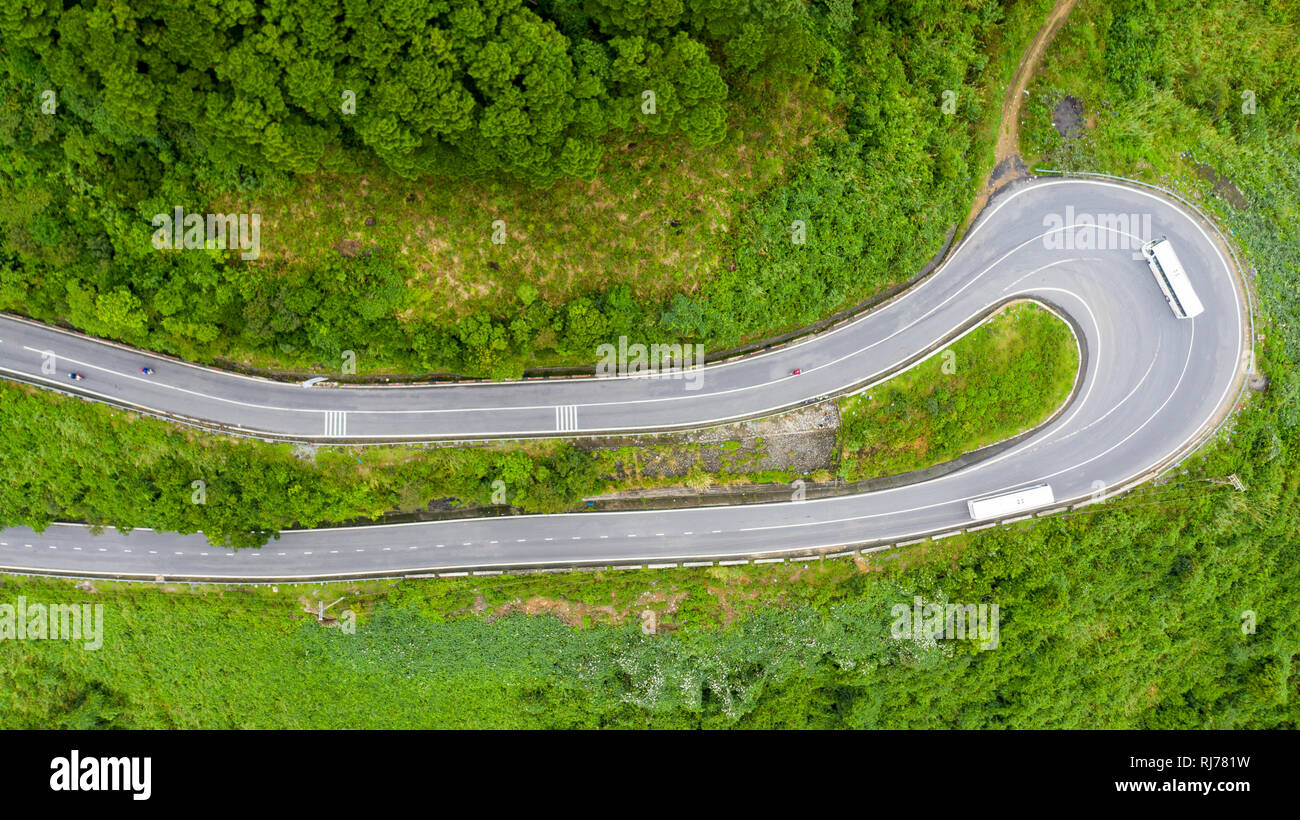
x=1152 y=385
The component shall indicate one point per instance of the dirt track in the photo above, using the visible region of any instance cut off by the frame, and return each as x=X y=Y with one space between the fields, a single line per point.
x=1007 y=165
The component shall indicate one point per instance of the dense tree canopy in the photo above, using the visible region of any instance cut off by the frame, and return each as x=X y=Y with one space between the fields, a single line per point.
x=112 y=113
x=424 y=85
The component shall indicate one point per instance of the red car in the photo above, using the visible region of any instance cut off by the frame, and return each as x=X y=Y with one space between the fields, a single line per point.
x=796 y=371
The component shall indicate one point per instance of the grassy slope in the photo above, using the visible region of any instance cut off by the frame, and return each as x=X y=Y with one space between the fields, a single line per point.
x=67 y=459
x=1007 y=376
x=566 y=240
x=1175 y=112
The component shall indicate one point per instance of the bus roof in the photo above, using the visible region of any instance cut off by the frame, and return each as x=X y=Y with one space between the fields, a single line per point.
x=1163 y=251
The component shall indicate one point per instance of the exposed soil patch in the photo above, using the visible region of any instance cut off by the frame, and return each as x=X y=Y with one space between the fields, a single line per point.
x=1222 y=186
x=1067 y=117
x=1010 y=168
x=349 y=247
x=576 y=613
x=802 y=440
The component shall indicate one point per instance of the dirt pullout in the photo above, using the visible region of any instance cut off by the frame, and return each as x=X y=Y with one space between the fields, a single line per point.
x=802 y=440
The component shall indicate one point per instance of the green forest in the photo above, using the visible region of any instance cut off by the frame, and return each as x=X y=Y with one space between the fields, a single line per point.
x=110 y=116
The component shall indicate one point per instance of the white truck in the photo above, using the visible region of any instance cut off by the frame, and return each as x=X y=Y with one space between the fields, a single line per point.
x=1000 y=506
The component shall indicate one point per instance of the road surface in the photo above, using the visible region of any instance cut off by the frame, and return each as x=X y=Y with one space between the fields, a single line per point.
x=1151 y=385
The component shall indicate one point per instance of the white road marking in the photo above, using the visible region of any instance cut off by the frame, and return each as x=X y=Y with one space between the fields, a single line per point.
x=566 y=418
x=336 y=423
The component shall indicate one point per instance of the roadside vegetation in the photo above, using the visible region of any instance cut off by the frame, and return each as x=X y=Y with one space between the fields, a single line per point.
x=1200 y=97
x=1007 y=376
x=65 y=459
x=1172 y=607
x=868 y=123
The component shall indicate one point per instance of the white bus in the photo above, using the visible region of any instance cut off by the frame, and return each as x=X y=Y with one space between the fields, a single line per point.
x=998 y=506
x=1172 y=278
